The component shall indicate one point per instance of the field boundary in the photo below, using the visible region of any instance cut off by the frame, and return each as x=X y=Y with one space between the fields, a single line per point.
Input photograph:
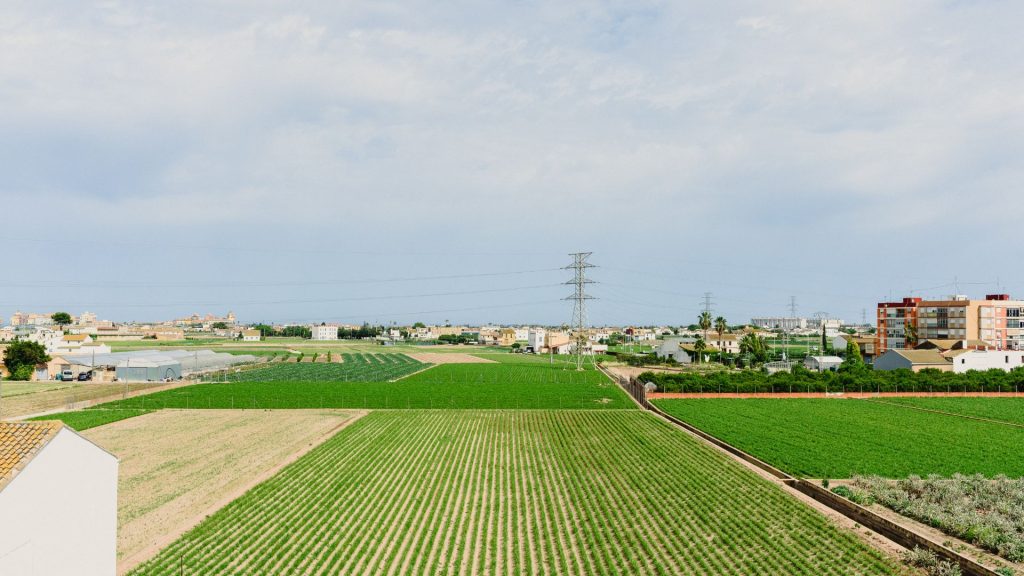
x=886 y=528
x=175 y=532
x=850 y=395
x=944 y=413
x=421 y=370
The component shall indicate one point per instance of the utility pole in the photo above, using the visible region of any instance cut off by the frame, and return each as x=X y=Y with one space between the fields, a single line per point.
x=579 y=297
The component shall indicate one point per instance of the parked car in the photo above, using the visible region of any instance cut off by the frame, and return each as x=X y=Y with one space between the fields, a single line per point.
x=85 y=376
x=66 y=376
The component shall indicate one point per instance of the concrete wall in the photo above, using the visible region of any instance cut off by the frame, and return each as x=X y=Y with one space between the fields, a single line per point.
x=60 y=513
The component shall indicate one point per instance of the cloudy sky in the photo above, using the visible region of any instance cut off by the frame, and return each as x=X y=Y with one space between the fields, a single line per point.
x=403 y=161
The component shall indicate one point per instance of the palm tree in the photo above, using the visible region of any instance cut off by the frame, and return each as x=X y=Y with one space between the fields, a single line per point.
x=704 y=321
x=699 y=347
x=720 y=326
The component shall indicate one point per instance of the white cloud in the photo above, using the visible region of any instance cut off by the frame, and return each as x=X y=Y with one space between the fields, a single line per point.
x=575 y=117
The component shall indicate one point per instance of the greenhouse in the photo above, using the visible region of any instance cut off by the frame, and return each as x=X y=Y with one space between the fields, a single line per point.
x=155 y=365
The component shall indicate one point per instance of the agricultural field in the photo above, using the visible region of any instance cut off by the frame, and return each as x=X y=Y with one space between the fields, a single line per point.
x=515 y=492
x=454 y=386
x=1003 y=409
x=179 y=466
x=842 y=438
x=32 y=398
x=92 y=417
x=988 y=513
x=353 y=368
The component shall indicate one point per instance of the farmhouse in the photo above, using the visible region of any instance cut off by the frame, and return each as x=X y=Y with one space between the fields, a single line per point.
x=58 y=502
x=251 y=335
x=915 y=360
x=1006 y=360
x=673 y=348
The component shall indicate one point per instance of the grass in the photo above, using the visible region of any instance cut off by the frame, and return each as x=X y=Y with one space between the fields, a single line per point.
x=91 y=418
x=515 y=492
x=1003 y=409
x=842 y=438
x=453 y=386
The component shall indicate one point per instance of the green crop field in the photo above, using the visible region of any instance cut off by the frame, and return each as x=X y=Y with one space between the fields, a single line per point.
x=91 y=418
x=1003 y=409
x=354 y=368
x=460 y=386
x=841 y=438
x=515 y=492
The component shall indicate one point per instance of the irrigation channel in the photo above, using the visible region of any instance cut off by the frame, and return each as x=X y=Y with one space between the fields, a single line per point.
x=867 y=518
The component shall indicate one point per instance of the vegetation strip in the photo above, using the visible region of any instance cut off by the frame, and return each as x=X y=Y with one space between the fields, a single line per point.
x=93 y=417
x=842 y=438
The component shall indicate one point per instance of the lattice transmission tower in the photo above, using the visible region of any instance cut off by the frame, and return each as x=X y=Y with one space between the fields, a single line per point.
x=579 y=298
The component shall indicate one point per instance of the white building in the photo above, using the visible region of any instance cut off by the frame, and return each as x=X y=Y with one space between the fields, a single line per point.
x=673 y=348
x=779 y=323
x=325 y=332
x=522 y=334
x=536 y=339
x=1005 y=360
x=58 y=502
x=251 y=335
x=823 y=363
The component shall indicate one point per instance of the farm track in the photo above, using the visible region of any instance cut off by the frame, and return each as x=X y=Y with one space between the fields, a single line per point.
x=515 y=492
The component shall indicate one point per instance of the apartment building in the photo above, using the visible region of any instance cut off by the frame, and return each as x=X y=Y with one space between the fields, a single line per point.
x=324 y=332
x=996 y=320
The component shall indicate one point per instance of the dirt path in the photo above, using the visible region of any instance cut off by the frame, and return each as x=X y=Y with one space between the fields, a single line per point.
x=179 y=466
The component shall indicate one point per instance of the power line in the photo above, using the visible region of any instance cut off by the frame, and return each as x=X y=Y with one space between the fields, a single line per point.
x=243 y=284
x=304 y=301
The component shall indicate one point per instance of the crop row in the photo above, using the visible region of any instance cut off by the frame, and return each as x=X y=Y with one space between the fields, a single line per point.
x=452 y=386
x=541 y=492
x=354 y=368
x=834 y=438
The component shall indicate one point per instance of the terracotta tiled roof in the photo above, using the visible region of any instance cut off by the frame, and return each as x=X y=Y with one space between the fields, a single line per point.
x=20 y=442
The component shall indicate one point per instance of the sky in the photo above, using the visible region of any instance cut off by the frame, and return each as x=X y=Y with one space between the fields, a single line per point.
x=396 y=162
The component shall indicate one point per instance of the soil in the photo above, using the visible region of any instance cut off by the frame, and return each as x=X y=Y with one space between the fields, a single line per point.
x=179 y=466
x=451 y=358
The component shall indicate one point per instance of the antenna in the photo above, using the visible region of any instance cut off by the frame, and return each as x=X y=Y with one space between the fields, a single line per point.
x=579 y=297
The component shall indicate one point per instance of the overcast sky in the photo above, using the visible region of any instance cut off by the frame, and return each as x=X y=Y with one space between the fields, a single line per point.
x=404 y=161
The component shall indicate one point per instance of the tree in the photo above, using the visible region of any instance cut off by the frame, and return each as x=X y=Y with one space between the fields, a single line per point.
x=419 y=325
x=853 y=360
x=22 y=356
x=61 y=319
x=721 y=326
x=699 y=347
x=516 y=346
x=824 y=340
x=220 y=326
x=910 y=330
x=754 y=346
x=704 y=321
